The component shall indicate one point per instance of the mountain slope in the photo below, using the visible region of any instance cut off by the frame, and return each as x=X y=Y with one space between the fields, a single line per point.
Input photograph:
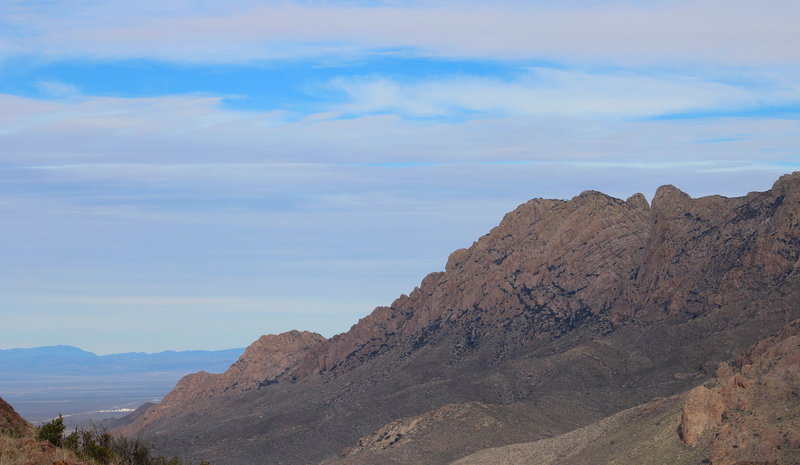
x=11 y=423
x=759 y=421
x=572 y=309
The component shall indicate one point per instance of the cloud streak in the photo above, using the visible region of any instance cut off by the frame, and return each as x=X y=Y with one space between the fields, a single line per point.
x=557 y=92
x=709 y=31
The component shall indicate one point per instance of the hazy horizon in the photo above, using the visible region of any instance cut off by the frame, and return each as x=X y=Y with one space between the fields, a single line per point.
x=118 y=353
x=195 y=175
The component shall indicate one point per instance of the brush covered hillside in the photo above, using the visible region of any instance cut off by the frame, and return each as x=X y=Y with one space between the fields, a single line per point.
x=51 y=444
x=11 y=423
x=18 y=445
x=566 y=313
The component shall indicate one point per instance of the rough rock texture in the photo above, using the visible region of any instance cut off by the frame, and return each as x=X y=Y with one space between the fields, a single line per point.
x=11 y=422
x=702 y=410
x=552 y=264
x=264 y=362
x=575 y=309
x=760 y=394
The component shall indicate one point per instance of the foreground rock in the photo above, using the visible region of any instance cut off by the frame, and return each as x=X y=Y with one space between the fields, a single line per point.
x=572 y=310
x=760 y=396
x=702 y=410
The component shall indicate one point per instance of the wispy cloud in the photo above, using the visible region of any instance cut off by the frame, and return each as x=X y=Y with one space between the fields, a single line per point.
x=731 y=32
x=199 y=130
x=561 y=92
x=57 y=89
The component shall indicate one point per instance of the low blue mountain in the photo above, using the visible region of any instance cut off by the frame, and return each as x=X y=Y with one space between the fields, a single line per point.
x=72 y=361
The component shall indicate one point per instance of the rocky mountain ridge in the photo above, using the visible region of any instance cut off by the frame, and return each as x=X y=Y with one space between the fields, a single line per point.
x=568 y=310
x=556 y=263
x=262 y=363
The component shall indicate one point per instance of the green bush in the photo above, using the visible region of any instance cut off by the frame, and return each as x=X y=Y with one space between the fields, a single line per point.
x=52 y=431
x=95 y=445
x=101 y=448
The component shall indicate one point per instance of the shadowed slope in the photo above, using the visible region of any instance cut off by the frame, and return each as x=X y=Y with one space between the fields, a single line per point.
x=760 y=421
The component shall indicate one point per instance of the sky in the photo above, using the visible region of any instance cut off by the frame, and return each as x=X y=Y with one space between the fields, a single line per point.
x=193 y=174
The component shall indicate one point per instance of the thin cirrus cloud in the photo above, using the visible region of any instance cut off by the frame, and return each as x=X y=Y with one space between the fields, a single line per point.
x=559 y=92
x=726 y=32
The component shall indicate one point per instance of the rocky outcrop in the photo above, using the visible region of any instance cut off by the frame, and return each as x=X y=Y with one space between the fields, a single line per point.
x=268 y=360
x=265 y=362
x=577 y=309
x=759 y=395
x=398 y=432
x=701 y=411
x=447 y=432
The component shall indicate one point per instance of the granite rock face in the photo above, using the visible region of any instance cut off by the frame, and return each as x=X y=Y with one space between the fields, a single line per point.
x=265 y=362
x=760 y=395
x=551 y=265
x=702 y=410
x=576 y=309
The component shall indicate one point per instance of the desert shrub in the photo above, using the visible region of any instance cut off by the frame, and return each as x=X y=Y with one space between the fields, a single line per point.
x=132 y=451
x=98 y=446
x=71 y=441
x=52 y=431
x=95 y=445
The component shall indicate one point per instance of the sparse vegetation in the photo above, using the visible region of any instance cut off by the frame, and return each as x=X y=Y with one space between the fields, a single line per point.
x=100 y=447
x=52 y=431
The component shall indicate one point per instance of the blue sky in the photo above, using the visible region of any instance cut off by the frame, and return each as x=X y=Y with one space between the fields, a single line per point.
x=193 y=174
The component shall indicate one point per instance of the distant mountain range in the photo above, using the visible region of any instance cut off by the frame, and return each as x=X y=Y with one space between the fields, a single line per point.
x=62 y=360
x=597 y=322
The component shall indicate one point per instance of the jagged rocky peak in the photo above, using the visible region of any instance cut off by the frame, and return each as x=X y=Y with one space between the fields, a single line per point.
x=638 y=200
x=669 y=197
x=550 y=266
x=272 y=355
x=266 y=361
x=787 y=183
x=592 y=195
